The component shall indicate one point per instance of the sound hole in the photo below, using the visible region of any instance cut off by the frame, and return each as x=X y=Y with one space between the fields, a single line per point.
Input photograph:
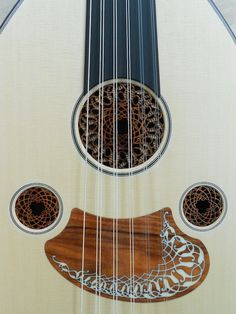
x=203 y=205
x=36 y=208
x=121 y=125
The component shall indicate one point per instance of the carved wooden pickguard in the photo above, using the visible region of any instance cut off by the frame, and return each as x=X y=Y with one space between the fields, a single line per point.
x=146 y=259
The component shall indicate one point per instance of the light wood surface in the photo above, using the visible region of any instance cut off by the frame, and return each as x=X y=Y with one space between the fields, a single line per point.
x=226 y=8
x=41 y=78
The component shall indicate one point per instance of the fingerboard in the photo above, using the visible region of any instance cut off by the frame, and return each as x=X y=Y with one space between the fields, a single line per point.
x=121 y=42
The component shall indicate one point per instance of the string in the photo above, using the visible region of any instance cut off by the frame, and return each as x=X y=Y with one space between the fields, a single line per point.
x=142 y=79
x=115 y=135
x=98 y=157
x=86 y=160
x=157 y=88
x=100 y=161
x=116 y=153
x=115 y=161
x=130 y=146
x=102 y=118
x=148 y=218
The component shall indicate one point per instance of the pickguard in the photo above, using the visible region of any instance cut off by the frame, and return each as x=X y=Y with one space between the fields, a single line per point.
x=146 y=259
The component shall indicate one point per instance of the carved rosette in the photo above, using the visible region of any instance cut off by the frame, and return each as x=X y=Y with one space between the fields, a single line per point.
x=36 y=208
x=121 y=127
x=203 y=206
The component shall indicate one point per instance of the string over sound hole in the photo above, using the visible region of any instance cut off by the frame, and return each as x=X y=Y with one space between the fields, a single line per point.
x=121 y=125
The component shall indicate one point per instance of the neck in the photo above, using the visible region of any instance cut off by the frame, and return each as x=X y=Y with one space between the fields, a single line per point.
x=121 y=42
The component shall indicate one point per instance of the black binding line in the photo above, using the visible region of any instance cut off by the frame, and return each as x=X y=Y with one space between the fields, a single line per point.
x=10 y=14
x=221 y=16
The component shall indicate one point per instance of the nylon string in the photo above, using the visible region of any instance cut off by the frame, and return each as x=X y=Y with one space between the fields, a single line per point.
x=130 y=146
x=116 y=145
x=141 y=50
x=86 y=161
x=115 y=161
x=157 y=88
x=100 y=160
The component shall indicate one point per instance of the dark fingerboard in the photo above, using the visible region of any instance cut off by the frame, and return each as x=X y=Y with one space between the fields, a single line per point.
x=121 y=42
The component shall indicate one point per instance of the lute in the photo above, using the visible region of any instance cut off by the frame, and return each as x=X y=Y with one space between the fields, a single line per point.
x=127 y=191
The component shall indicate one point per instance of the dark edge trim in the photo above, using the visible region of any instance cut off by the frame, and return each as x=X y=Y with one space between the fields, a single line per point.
x=10 y=14
x=221 y=16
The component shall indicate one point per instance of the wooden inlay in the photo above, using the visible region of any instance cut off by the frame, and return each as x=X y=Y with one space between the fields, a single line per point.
x=144 y=259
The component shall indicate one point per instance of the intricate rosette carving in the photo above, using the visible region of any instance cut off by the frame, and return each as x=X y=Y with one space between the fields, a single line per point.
x=121 y=125
x=37 y=207
x=203 y=205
